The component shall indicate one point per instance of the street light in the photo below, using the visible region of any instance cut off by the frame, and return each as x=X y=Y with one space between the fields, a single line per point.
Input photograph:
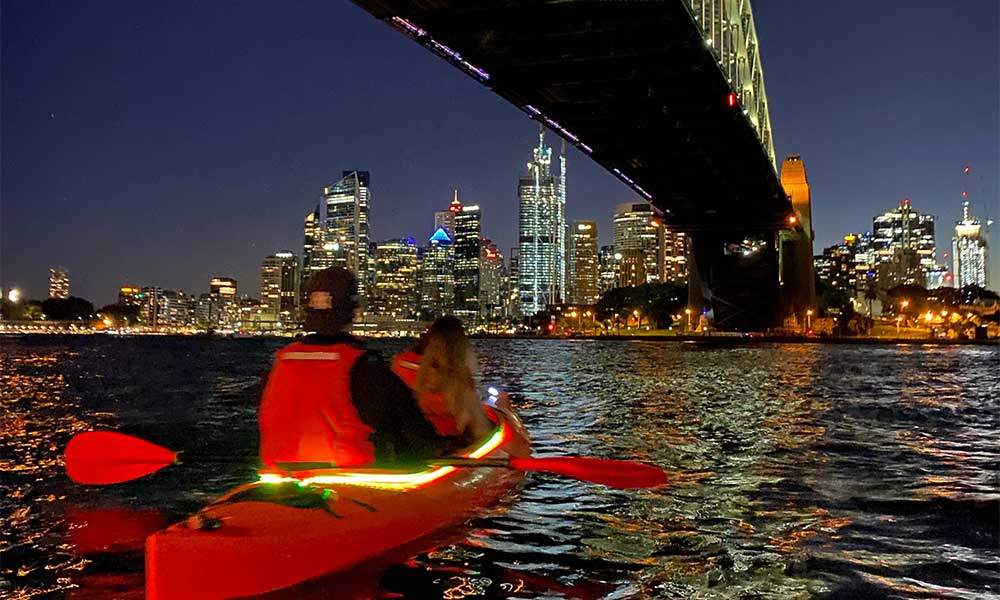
x=638 y=321
x=899 y=320
x=809 y=314
x=687 y=311
x=14 y=295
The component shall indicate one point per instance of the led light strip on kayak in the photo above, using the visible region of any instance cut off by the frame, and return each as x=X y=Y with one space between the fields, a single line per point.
x=393 y=481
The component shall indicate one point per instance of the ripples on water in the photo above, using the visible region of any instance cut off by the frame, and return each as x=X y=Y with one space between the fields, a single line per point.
x=797 y=471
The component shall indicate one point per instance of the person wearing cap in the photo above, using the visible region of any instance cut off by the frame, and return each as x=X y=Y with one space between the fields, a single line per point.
x=329 y=400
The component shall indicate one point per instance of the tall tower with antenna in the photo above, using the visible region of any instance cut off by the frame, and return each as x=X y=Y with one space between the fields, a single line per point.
x=969 y=246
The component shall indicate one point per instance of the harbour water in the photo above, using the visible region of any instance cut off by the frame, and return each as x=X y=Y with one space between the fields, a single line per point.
x=797 y=471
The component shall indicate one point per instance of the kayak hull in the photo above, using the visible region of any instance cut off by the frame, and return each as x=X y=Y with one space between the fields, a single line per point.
x=270 y=535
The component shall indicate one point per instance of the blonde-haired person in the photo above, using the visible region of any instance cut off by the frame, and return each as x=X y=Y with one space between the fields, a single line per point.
x=441 y=370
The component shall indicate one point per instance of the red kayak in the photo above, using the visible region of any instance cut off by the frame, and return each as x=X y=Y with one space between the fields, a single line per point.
x=288 y=528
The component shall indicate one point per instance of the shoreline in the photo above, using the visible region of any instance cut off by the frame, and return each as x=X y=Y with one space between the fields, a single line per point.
x=706 y=340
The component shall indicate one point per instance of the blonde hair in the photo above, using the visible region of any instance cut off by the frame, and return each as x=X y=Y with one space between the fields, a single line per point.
x=447 y=368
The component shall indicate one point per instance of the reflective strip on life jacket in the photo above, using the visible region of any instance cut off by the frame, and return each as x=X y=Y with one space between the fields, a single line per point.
x=309 y=356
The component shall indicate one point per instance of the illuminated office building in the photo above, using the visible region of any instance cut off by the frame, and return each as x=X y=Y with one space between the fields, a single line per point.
x=225 y=287
x=836 y=266
x=58 y=282
x=542 y=231
x=314 y=256
x=492 y=273
x=585 y=270
x=437 y=276
x=636 y=228
x=129 y=295
x=970 y=250
x=446 y=218
x=632 y=267
x=279 y=289
x=346 y=236
x=467 y=246
x=903 y=246
x=395 y=279
x=607 y=269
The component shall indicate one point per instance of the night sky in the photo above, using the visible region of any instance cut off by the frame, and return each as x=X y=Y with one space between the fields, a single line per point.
x=161 y=143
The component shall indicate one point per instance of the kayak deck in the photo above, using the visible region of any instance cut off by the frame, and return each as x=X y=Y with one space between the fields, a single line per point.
x=287 y=528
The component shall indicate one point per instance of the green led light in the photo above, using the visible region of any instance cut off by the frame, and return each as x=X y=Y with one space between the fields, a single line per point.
x=326 y=493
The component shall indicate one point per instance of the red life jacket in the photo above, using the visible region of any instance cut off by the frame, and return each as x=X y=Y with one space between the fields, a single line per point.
x=406 y=365
x=307 y=413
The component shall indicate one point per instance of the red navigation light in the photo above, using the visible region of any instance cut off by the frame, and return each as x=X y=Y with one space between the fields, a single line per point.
x=965 y=194
x=550 y=327
x=732 y=99
x=906 y=201
x=967 y=170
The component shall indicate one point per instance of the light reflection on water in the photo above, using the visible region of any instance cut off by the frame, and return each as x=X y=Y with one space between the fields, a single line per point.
x=796 y=471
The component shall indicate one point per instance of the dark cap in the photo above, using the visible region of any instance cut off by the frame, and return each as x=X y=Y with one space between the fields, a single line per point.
x=331 y=298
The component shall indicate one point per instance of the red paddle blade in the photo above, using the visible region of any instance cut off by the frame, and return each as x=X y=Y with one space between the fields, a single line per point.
x=613 y=473
x=101 y=457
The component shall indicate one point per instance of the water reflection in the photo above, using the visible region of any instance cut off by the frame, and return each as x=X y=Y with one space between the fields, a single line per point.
x=796 y=471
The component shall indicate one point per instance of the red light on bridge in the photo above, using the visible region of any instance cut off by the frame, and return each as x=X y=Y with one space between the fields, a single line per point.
x=732 y=99
x=967 y=170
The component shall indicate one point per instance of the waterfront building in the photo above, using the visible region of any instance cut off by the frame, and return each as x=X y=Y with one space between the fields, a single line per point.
x=58 y=282
x=674 y=261
x=632 y=267
x=513 y=288
x=314 y=256
x=836 y=266
x=970 y=250
x=437 y=276
x=607 y=267
x=492 y=274
x=279 y=289
x=636 y=228
x=900 y=238
x=165 y=308
x=224 y=287
x=395 y=279
x=467 y=256
x=585 y=263
x=939 y=277
x=542 y=231
x=446 y=218
x=346 y=237
x=129 y=295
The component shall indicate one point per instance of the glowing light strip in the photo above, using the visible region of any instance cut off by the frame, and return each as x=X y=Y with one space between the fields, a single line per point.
x=438 y=47
x=393 y=481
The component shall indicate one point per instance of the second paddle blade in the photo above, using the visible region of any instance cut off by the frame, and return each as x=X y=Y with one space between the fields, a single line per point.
x=605 y=471
x=102 y=457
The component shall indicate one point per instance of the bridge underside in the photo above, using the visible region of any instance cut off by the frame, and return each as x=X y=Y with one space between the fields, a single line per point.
x=634 y=86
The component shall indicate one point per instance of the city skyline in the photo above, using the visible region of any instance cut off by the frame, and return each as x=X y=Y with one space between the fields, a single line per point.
x=228 y=214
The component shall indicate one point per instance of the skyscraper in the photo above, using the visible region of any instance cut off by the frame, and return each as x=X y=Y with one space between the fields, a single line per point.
x=437 y=276
x=467 y=251
x=607 y=269
x=395 y=279
x=970 y=250
x=225 y=287
x=835 y=267
x=446 y=218
x=491 y=276
x=903 y=245
x=585 y=263
x=542 y=232
x=312 y=244
x=279 y=288
x=347 y=233
x=636 y=228
x=58 y=282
